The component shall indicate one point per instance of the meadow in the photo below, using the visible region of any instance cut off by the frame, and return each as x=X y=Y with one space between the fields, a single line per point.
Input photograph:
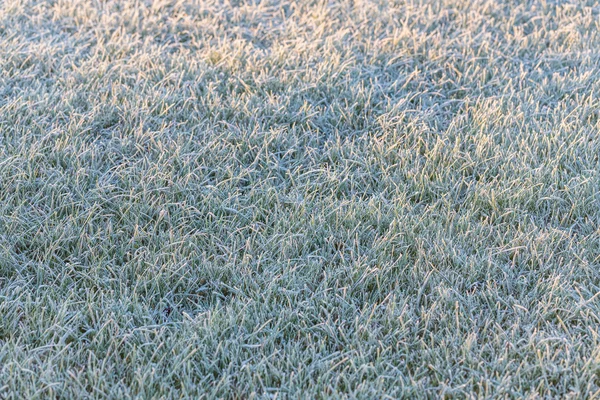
x=254 y=199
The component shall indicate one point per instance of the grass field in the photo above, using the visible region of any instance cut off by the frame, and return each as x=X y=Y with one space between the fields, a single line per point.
x=299 y=199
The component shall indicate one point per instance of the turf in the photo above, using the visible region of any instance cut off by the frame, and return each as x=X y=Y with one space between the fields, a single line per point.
x=299 y=199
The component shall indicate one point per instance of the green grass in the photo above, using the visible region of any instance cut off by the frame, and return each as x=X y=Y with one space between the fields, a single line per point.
x=299 y=199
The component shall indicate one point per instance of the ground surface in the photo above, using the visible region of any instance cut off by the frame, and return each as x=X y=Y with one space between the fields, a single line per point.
x=299 y=199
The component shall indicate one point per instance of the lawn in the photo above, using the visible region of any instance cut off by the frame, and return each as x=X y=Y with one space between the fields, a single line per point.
x=299 y=199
